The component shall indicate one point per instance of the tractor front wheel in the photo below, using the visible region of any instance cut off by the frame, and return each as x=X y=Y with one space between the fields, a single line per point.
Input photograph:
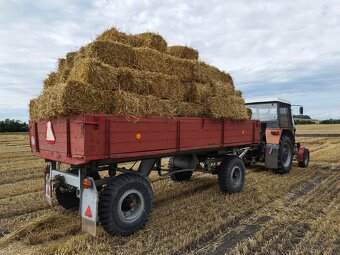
x=304 y=163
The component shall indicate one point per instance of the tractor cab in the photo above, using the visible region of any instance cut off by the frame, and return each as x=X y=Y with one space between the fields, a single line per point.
x=274 y=113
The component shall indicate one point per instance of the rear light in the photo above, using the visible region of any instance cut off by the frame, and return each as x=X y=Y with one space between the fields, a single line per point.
x=275 y=132
x=87 y=184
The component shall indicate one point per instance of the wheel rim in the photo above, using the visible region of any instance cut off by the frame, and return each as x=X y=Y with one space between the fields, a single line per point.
x=286 y=155
x=131 y=205
x=236 y=175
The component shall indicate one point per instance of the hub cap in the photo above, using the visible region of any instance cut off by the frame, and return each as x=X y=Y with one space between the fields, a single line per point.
x=236 y=175
x=131 y=205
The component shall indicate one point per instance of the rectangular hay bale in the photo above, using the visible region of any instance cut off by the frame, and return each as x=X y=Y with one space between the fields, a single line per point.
x=111 y=53
x=149 y=40
x=182 y=52
x=231 y=107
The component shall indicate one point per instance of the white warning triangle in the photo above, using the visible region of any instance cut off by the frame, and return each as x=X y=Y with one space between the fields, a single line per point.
x=50 y=137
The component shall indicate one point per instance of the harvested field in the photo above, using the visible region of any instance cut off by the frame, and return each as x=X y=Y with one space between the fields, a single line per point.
x=319 y=129
x=297 y=213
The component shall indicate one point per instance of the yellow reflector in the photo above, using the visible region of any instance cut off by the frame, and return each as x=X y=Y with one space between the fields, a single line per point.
x=138 y=136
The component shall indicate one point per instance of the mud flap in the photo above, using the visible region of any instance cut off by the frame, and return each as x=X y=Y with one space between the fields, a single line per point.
x=89 y=209
x=272 y=156
x=48 y=188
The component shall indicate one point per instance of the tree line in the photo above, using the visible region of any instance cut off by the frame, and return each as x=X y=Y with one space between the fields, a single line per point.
x=307 y=121
x=8 y=125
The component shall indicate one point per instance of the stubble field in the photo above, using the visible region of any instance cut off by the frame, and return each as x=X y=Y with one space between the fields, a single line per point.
x=296 y=213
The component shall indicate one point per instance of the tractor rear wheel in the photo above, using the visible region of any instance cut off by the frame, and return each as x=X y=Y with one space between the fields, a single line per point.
x=285 y=155
x=231 y=175
x=125 y=204
x=304 y=163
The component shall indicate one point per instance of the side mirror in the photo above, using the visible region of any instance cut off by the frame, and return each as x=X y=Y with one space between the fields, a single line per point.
x=301 y=110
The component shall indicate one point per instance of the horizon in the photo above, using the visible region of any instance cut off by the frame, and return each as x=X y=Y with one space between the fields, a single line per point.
x=286 y=50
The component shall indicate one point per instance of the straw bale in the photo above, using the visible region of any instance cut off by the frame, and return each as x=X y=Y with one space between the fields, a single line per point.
x=187 y=109
x=184 y=69
x=204 y=91
x=33 y=109
x=52 y=79
x=113 y=35
x=154 y=61
x=231 y=107
x=72 y=97
x=131 y=104
x=111 y=53
x=149 y=40
x=96 y=73
x=182 y=52
x=222 y=89
x=206 y=73
x=66 y=65
x=151 y=83
x=198 y=92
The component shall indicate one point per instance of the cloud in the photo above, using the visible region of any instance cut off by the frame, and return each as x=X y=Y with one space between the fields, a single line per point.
x=271 y=48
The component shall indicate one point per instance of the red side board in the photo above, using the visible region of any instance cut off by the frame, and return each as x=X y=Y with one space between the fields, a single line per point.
x=83 y=138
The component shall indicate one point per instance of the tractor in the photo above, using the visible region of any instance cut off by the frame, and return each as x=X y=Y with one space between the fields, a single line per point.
x=278 y=147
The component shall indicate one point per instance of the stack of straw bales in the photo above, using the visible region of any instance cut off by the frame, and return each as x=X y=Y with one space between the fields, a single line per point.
x=134 y=75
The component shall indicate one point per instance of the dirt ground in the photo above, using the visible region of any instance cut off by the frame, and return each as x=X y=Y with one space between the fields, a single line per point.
x=296 y=213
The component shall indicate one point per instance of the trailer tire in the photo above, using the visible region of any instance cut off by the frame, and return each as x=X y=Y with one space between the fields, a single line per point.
x=125 y=204
x=304 y=163
x=285 y=155
x=180 y=176
x=231 y=175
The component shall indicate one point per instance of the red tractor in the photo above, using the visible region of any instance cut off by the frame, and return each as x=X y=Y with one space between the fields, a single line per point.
x=278 y=146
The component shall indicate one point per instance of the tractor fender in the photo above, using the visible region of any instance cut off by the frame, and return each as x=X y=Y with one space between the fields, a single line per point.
x=300 y=154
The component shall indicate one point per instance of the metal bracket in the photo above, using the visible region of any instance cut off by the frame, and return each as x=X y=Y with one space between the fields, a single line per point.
x=146 y=166
x=89 y=208
x=244 y=152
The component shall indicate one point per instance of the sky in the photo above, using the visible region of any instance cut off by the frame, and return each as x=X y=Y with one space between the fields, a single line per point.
x=286 y=49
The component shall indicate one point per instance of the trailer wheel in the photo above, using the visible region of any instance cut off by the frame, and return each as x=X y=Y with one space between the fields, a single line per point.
x=180 y=176
x=285 y=159
x=231 y=174
x=305 y=161
x=125 y=204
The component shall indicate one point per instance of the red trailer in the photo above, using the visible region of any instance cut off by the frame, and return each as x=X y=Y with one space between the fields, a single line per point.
x=92 y=143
